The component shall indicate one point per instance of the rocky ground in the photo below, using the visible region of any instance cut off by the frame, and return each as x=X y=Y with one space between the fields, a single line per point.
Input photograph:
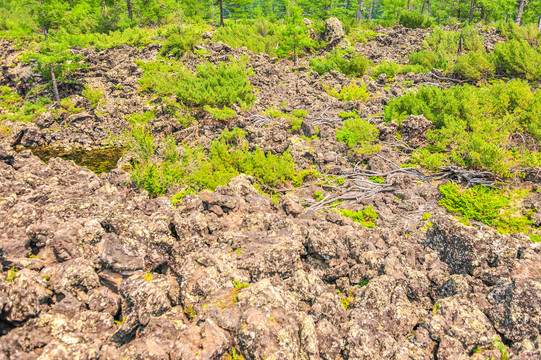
x=107 y=273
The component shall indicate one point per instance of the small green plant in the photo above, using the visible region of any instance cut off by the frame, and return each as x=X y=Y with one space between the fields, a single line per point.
x=348 y=93
x=177 y=43
x=237 y=284
x=233 y=355
x=221 y=114
x=141 y=118
x=120 y=322
x=435 y=308
x=189 y=311
x=47 y=277
x=364 y=217
x=12 y=273
x=93 y=95
x=148 y=277
x=490 y=206
x=497 y=344
x=363 y=283
x=376 y=179
x=359 y=135
x=426 y=216
x=535 y=237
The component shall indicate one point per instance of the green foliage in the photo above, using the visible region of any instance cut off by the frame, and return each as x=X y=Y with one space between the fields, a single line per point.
x=187 y=37
x=442 y=52
x=93 y=95
x=28 y=112
x=11 y=274
x=221 y=114
x=197 y=169
x=473 y=126
x=148 y=277
x=237 y=284
x=68 y=105
x=475 y=65
x=413 y=20
x=359 y=134
x=140 y=118
x=535 y=237
x=490 y=206
x=8 y=98
x=258 y=36
x=224 y=84
x=364 y=217
x=350 y=92
x=376 y=179
x=518 y=58
x=354 y=65
x=391 y=69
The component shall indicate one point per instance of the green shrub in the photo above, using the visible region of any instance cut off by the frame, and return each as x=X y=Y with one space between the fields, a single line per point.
x=528 y=32
x=475 y=65
x=221 y=114
x=359 y=134
x=196 y=169
x=141 y=118
x=391 y=69
x=177 y=44
x=425 y=58
x=28 y=112
x=413 y=20
x=490 y=206
x=8 y=98
x=294 y=118
x=350 y=65
x=224 y=84
x=518 y=58
x=93 y=95
x=258 y=36
x=348 y=93
x=365 y=217
x=474 y=125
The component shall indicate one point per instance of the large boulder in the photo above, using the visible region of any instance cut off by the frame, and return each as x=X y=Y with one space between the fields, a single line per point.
x=334 y=32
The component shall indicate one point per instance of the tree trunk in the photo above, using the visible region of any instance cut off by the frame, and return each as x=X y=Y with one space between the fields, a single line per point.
x=409 y=1
x=423 y=7
x=539 y=23
x=51 y=66
x=371 y=10
x=521 y=4
x=221 y=13
x=360 y=12
x=472 y=8
x=129 y=6
x=55 y=85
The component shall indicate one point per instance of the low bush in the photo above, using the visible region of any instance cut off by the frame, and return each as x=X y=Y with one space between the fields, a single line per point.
x=258 y=36
x=518 y=58
x=359 y=135
x=224 y=84
x=365 y=217
x=490 y=206
x=93 y=95
x=473 y=126
x=475 y=65
x=350 y=65
x=350 y=92
x=294 y=118
x=196 y=169
x=221 y=114
x=413 y=20
x=187 y=37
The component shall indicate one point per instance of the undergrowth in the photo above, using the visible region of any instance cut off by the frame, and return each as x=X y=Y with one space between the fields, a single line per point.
x=475 y=126
x=224 y=84
x=348 y=63
x=195 y=168
x=348 y=93
x=494 y=207
x=359 y=135
x=365 y=217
